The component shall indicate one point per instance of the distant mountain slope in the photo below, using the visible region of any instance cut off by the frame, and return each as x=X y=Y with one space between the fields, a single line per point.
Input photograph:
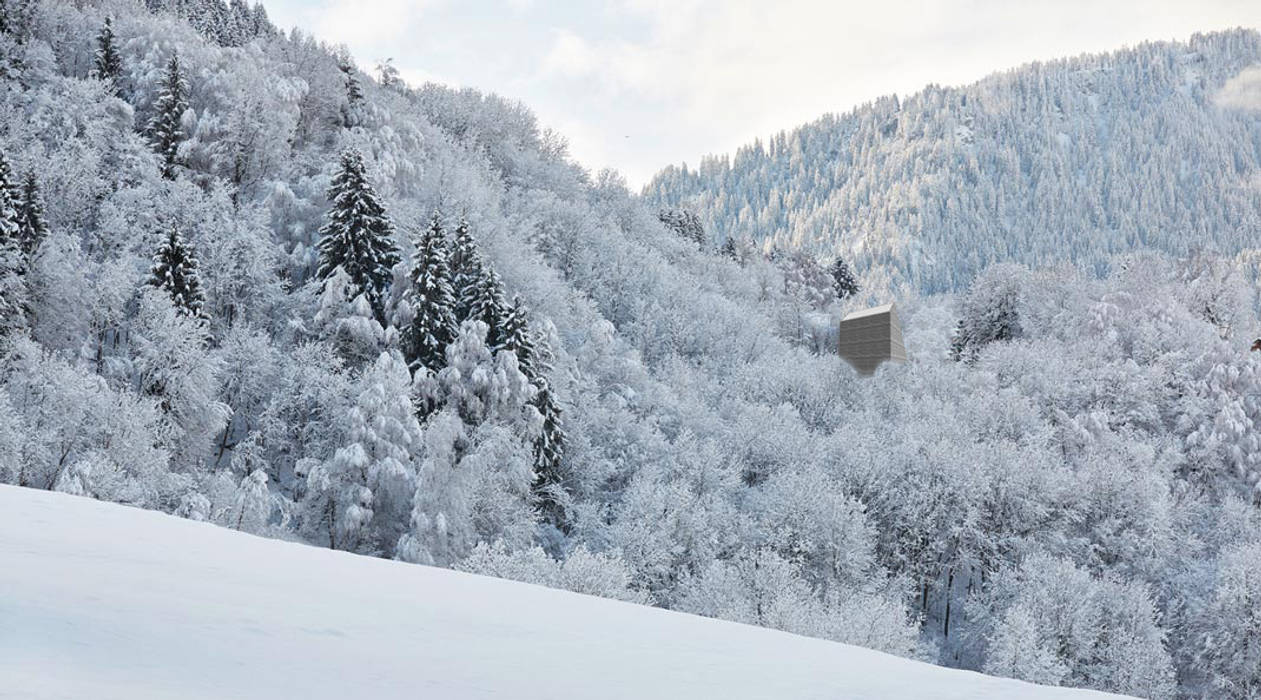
x=104 y=601
x=1067 y=160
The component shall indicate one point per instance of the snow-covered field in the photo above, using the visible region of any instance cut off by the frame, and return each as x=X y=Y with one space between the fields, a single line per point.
x=102 y=601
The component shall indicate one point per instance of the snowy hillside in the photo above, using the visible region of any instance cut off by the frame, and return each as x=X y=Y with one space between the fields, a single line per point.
x=103 y=601
x=1154 y=146
x=244 y=282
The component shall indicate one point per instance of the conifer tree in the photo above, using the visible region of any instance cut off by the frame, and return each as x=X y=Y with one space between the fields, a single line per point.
x=32 y=224
x=354 y=94
x=175 y=271
x=489 y=308
x=549 y=445
x=165 y=131
x=109 y=65
x=433 y=327
x=516 y=338
x=467 y=271
x=843 y=279
x=359 y=235
x=13 y=291
x=549 y=453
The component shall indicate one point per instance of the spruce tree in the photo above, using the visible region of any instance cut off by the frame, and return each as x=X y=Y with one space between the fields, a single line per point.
x=549 y=446
x=354 y=94
x=467 y=271
x=517 y=340
x=109 y=65
x=13 y=291
x=32 y=224
x=359 y=235
x=175 y=271
x=843 y=279
x=424 y=341
x=489 y=308
x=165 y=131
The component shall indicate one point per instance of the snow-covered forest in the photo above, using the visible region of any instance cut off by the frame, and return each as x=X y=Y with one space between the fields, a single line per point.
x=1070 y=160
x=245 y=281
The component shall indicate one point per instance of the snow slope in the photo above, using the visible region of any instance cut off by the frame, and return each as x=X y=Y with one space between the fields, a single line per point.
x=103 y=601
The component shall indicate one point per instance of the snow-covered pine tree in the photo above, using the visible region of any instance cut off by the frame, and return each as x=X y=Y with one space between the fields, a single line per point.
x=549 y=454
x=175 y=271
x=685 y=223
x=388 y=74
x=32 y=222
x=359 y=235
x=516 y=337
x=14 y=295
x=467 y=270
x=424 y=341
x=489 y=308
x=109 y=65
x=843 y=279
x=165 y=131
x=354 y=93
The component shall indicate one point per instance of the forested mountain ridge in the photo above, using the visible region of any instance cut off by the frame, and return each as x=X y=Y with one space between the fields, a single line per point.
x=244 y=282
x=1067 y=160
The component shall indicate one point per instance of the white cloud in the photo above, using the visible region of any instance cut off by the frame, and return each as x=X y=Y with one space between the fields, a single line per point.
x=1242 y=91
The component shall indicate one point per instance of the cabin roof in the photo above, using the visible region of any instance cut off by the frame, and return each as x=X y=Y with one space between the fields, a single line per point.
x=873 y=311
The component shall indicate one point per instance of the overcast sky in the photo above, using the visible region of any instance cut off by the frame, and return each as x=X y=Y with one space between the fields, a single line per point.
x=639 y=84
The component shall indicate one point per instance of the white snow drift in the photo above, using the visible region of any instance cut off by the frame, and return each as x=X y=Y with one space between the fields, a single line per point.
x=103 y=601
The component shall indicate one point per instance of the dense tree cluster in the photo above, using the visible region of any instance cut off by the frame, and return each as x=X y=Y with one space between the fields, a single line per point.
x=1045 y=164
x=556 y=387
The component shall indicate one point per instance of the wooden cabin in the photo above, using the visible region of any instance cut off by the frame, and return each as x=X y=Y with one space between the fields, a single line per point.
x=871 y=337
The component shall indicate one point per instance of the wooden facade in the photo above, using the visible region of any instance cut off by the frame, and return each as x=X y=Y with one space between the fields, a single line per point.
x=871 y=337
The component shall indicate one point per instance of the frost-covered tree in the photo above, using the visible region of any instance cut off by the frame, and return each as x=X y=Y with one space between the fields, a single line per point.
x=990 y=312
x=108 y=61
x=1226 y=652
x=1060 y=625
x=358 y=236
x=684 y=223
x=174 y=271
x=346 y=320
x=843 y=279
x=166 y=131
x=354 y=93
x=359 y=499
x=32 y=220
x=432 y=328
x=489 y=307
x=14 y=293
x=467 y=271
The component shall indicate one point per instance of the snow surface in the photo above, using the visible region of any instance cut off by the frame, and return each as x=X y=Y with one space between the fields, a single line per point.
x=104 y=601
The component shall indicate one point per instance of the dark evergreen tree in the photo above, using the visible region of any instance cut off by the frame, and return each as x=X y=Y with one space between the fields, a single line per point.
x=175 y=271
x=843 y=279
x=165 y=130
x=433 y=326
x=685 y=223
x=549 y=446
x=359 y=237
x=467 y=272
x=728 y=249
x=354 y=94
x=32 y=223
x=516 y=338
x=489 y=308
x=13 y=290
x=109 y=64
x=262 y=25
